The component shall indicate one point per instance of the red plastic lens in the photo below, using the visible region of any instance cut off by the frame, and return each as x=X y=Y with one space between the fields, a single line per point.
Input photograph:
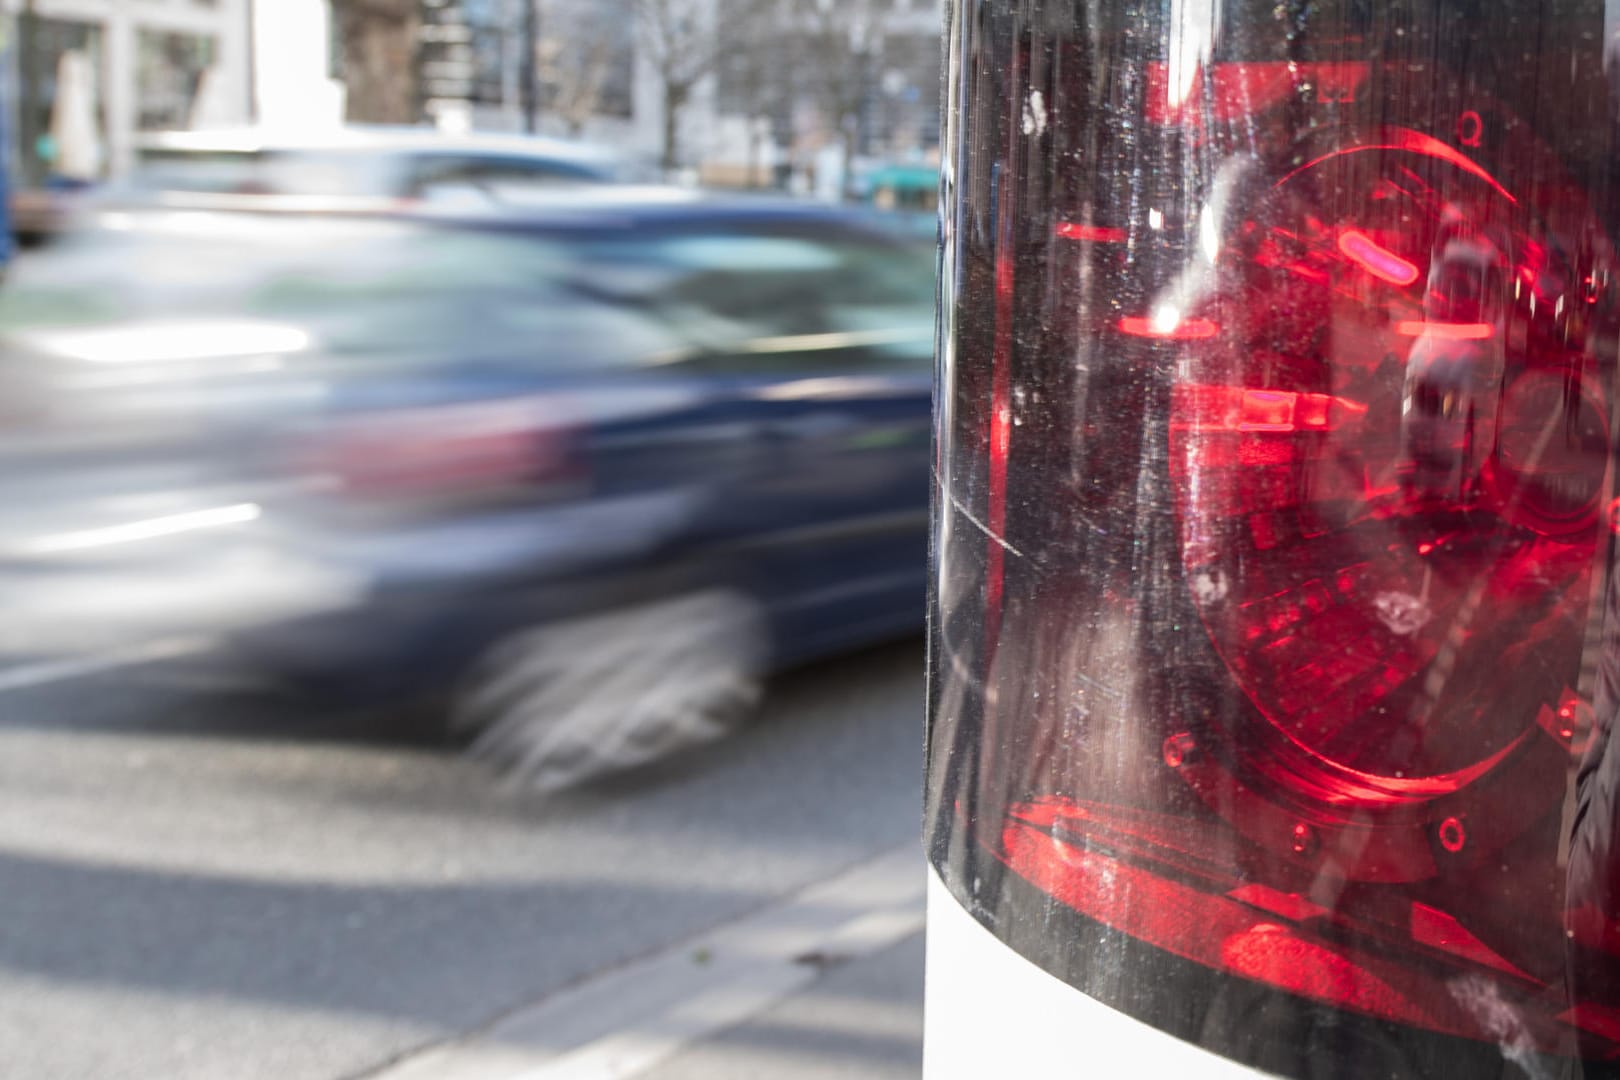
x=1264 y=631
x=1355 y=553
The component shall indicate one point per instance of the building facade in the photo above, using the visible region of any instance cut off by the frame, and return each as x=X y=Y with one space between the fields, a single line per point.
x=84 y=77
x=789 y=96
x=824 y=89
x=775 y=104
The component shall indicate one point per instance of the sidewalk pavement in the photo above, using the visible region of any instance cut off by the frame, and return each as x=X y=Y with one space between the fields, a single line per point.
x=826 y=982
x=861 y=1019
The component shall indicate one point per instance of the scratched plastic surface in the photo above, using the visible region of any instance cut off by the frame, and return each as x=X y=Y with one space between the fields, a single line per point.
x=1270 y=690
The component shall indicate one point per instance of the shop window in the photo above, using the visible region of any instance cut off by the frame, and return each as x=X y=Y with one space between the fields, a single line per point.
x=62 y=104
x=169 y=73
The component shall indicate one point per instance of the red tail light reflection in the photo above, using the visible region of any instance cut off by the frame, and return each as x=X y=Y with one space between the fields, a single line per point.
x=1240 y=409
x=1378 y=261
x=1405 y=140
x=1448 y=331
x=1095 y=234
x=1168 y=329
x=1277 y=936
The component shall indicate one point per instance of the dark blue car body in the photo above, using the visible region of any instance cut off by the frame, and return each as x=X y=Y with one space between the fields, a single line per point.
x=649 y=397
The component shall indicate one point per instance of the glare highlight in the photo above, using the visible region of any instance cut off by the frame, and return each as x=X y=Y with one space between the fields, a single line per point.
x=150 y=529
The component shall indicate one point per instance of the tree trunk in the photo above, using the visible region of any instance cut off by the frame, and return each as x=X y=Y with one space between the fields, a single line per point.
x=379 y=60
x=752 y=180
x=674 y=102
x=851 y=138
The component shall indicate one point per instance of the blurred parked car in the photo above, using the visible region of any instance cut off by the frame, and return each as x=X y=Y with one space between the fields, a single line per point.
x=39 y=213
x=352 y=169
x=604 y=463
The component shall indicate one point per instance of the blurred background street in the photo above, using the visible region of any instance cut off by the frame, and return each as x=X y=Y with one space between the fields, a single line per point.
x=813 y=97
x=464 y=475
x=242 y=889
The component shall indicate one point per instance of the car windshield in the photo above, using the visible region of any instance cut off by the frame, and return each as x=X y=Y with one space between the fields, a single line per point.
x=777 y=293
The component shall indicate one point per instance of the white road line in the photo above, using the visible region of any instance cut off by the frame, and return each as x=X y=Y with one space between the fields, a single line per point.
x=624 y=1023
x=28 y=676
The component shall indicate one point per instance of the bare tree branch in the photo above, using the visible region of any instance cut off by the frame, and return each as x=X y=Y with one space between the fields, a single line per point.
x=842 y=42
x=576 y=52
x=683 y=48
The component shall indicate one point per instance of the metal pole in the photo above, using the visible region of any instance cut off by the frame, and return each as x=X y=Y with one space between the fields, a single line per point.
x=531 y=66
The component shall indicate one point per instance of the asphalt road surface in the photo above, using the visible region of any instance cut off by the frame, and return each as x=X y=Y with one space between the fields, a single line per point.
x=197 y=886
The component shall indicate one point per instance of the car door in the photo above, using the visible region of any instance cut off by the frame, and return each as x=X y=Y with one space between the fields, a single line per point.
x=818 y=339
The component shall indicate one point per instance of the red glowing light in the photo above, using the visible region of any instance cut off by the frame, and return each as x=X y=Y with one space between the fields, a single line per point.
x=1309 y=273
x=1444 y=330
x=1377 y=260
x=1178 y=749
x=1414 y=142
x=1000 y=431
x=1425 y=547
x=1239 y=933
x=1182 y=330
x=1470 y=128
x=1440 y=930
x=1452 y=835
x=1096 y=234
x=1268 y=410
x=1260 y=411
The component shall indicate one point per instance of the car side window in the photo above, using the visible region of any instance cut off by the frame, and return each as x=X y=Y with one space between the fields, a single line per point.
x=490 y=173
x=763 y=300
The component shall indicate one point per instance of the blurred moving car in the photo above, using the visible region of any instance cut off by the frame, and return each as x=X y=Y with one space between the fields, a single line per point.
x=613 y=458
x=354 y=169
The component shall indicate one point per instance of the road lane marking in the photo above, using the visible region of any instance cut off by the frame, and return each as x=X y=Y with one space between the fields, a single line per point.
x=626 y=1022
x=29 y=676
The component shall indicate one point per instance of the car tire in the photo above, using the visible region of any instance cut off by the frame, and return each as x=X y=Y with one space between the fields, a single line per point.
x=559 y=705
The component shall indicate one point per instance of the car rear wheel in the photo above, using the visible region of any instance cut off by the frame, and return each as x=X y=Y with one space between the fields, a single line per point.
x=587 y=697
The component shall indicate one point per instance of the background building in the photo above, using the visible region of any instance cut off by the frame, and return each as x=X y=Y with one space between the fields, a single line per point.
x=85 y=76
x=824 y=83
x=766 y=92
x=777 y=93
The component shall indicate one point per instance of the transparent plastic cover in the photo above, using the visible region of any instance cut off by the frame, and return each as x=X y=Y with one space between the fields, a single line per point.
x=1271 y=681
